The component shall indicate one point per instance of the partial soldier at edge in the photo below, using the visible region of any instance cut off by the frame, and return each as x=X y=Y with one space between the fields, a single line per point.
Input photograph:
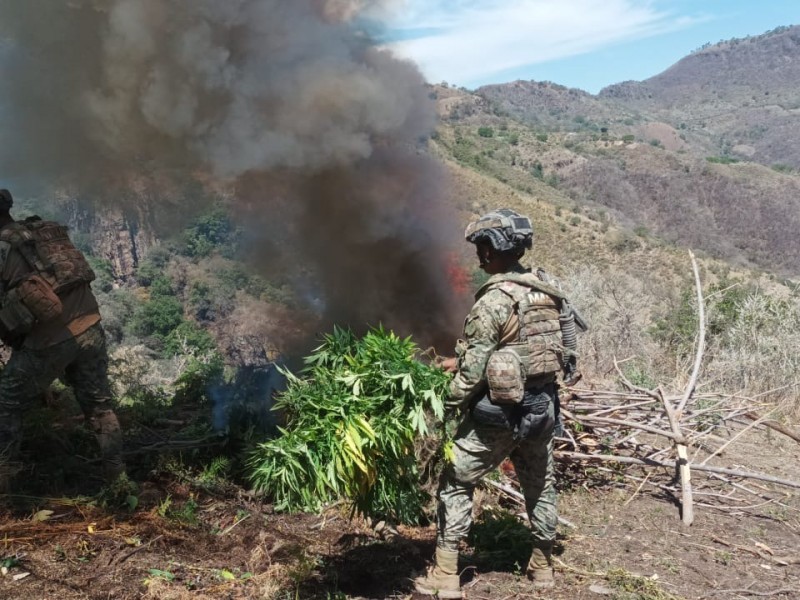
x=50 y=318
x=519 y=335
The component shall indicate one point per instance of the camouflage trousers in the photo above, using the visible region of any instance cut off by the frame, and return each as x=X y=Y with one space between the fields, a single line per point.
x=80 y=362
x=479 y=450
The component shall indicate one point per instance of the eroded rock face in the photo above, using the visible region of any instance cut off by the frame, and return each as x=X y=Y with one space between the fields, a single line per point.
x=122 y=236
x=120 y=239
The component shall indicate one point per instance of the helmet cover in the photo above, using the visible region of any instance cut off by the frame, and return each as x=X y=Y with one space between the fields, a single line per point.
x=504 y=229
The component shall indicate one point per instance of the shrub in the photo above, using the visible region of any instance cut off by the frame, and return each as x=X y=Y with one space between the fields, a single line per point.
x=188 y=336
x=158 y=316
x=485 y=132
x=208 y=232
x=104 y=281
x=353 y=416
x=201 y=372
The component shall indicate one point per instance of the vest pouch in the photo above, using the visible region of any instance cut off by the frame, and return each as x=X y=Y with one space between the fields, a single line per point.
x=39 y=298
x=505 y=374
x=17 y=321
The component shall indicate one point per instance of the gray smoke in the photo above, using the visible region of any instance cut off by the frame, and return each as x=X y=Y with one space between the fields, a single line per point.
x=288 y=101
x=233 y=85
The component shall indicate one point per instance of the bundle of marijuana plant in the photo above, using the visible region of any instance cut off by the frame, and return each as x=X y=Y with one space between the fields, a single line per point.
x=353 y=416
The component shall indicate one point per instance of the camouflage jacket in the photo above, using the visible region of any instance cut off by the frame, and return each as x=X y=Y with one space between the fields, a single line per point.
x=484 y=330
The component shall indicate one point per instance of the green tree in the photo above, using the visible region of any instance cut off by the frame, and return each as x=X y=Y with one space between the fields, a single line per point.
x=158 y=316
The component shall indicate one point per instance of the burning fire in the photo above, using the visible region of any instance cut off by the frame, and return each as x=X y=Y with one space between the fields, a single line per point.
x=457 y=275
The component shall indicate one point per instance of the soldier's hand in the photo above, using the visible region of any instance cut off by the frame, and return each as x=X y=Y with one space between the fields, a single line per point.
x=448 y=365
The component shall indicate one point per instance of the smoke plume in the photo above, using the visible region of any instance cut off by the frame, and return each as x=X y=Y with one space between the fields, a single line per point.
x=290 y=103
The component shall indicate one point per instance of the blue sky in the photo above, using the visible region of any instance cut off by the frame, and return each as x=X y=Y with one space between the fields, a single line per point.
x=579 y=43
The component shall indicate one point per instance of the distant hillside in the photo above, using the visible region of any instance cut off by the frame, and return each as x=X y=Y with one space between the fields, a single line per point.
x=743 y=95
x=706 y=154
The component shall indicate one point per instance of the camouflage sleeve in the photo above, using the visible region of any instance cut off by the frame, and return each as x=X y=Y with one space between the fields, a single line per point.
x=482 y=330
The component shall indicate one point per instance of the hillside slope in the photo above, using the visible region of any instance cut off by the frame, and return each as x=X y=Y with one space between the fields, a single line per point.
x=704 y=154
x=741 y=94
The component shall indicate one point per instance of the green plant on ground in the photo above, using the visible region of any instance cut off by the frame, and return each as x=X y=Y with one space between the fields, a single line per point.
x=185 y=513
x=353 y=417
x=635 y=587
x=215 y=470
x=722 y=160
x=500 y=540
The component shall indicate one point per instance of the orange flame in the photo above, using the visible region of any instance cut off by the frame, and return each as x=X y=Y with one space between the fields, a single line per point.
x=457 y=275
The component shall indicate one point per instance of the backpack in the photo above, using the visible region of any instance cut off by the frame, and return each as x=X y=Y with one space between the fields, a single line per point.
x=57 y=266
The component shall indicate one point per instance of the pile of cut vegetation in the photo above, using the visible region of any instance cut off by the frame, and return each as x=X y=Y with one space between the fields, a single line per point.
x=356 y=417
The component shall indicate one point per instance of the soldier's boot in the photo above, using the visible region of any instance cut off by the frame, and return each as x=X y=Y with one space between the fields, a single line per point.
x=540 y=566
x=106 y=428
x=442 y=578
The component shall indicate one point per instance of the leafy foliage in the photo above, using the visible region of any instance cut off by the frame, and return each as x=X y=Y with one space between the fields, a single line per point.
x=352 y=421
x=500 y=540
x=208 y=232
x=158 y=316
x=678 y=327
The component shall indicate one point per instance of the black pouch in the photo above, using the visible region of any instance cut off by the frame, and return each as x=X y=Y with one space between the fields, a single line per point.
x=535 y=418
x=488 y=414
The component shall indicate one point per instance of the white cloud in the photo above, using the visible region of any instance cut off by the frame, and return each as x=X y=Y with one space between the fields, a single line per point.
x=467 y=41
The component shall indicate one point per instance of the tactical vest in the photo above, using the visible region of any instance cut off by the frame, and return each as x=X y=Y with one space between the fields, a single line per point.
x=536 y=352
x=57 y=266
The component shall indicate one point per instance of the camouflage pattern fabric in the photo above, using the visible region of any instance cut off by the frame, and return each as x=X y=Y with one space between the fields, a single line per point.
x=81 y=362
x=479 y=450
x=483 y=329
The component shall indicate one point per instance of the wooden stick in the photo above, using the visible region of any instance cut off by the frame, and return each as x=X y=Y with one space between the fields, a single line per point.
x=734 y=438
x=671 y=465
x=638 y=489
x=774 y=425
x=515 y=495
x=701 y=340
x=631 y=424
x=687 y=509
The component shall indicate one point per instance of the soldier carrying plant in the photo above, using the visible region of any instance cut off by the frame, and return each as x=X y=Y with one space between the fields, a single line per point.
x=519 y=335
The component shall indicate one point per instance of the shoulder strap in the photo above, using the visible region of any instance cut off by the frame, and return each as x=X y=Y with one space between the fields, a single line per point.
x=511 y=328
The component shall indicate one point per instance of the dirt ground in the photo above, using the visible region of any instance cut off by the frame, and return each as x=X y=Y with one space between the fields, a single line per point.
x=195 y=536
x=183 y=541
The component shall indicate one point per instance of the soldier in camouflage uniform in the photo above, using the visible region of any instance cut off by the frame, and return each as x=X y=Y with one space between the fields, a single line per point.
x=71 y=346
x=489 y=432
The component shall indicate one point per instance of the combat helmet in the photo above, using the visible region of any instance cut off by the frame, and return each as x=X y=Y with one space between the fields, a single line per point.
x=505 y=229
